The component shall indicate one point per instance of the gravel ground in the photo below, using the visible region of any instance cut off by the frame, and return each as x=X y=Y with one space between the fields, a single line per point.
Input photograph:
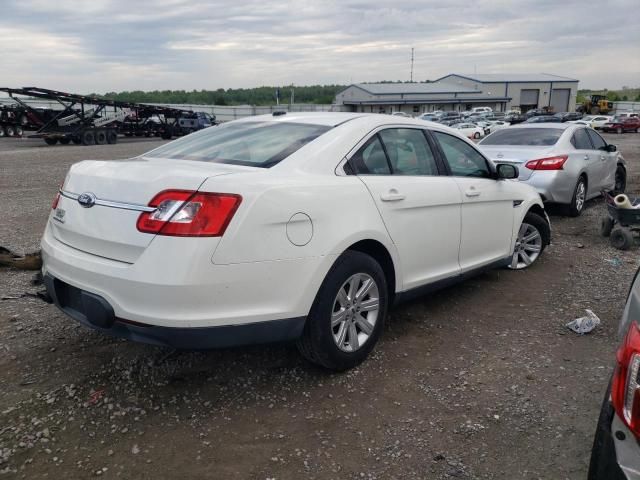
x=481 y=380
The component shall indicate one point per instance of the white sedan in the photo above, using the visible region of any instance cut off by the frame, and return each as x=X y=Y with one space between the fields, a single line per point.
x=298 y=227
x=470 y=130
x=594 y=121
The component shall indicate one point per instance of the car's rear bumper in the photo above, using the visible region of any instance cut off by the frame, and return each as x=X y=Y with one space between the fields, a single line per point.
x=553 y=186
x=95 y=312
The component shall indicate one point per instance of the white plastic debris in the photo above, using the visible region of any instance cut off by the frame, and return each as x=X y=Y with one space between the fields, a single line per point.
x=584 y=324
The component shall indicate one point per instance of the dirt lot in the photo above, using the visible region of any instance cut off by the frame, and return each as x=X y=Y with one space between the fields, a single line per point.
x=481 y=380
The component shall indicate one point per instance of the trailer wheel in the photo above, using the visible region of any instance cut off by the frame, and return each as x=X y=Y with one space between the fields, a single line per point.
x=112 y=137
x=101 y=137
x=19 y=131
x=9 y=131
x=76 y=140
x=65 y=141
x=147 y=134
x=166 y=135
x=2 y=133
x=88 y=138
x=50 y=140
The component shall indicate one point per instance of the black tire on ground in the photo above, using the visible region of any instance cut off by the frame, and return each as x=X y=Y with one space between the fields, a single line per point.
x=9 y=130
x=574 y=209
x=112 y=137
x=166 y=135
x=76 y=140
x=65 y=141
x=606 y=225
x=50 y=140
x=542 y=226
x=2 y=132
x=18 y=131
x=476 y=135
x=101 y=137
x=88 y=137
x=147 y=134
x=621 y=179
x=621 y=238
x=128 y=134
x=317 y=343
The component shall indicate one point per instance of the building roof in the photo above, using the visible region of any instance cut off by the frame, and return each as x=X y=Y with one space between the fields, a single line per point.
x=510 y=77
x=415 y=88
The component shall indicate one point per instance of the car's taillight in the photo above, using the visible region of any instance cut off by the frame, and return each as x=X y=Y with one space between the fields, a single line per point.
x=56 y=199
x=183 y=213
x=550 y=163
x=625 y=390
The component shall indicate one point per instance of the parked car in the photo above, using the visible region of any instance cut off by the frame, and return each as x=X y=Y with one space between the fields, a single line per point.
x=401 y=114
x=231 y=235
x=495 y=116
x=538 y=112
x=498 y=125
x=568 y=116
x=514 y=118
x=543 y=119
x=428 y=117
x=566 y=163
x=627 y=114
x=481 y=110
x=485 y=125
x=622 y=124
x=616 y=446
x=594 y=121
x=469 y=130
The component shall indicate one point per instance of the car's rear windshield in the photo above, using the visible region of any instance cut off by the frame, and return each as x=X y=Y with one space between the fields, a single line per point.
x=255 y=144
x=524 y=136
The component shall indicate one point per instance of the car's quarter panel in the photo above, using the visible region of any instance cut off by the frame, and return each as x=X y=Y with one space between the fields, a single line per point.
x=423 y=220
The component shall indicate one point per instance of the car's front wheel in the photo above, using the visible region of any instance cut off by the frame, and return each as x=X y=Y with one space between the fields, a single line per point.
x=621 y=179
x=579 y=197
x=533 y=236
x=347 y=316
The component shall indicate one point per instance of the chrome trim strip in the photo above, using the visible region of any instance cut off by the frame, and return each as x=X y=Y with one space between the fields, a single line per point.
x=111 y=204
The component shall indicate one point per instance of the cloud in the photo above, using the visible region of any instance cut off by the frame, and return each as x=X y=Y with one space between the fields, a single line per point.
x=107 y=45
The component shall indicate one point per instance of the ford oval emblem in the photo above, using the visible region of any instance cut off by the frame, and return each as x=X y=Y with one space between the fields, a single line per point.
x=87 y=200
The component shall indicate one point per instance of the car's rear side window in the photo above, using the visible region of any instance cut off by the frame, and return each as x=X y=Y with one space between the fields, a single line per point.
x=371 y=159
x=524 y=136
x=256 y=144
x=580 y=140
x=598 y=142
x=408 y=152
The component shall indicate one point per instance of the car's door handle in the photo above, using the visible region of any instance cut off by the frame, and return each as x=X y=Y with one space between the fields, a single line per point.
x=472 y=192
x=392 y=196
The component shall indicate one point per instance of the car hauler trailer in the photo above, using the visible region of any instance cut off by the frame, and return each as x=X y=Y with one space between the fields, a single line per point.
x=90 y=120
x=12 y=120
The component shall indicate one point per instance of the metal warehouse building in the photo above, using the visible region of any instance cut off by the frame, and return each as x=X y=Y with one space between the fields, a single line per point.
x=463 y=92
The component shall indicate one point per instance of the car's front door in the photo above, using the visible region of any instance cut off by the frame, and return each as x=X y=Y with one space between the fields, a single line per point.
x=589 y=158
x=420 y=207
x=608 y=161
x=487 y=204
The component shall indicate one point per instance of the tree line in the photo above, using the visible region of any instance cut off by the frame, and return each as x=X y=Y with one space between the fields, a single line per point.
x=321 y=94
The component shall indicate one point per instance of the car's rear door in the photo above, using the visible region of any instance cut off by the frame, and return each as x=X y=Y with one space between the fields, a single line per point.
x=419 y=205
x=487 y=215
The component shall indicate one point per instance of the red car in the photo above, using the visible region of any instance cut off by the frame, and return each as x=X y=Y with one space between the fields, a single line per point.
x=622 y=124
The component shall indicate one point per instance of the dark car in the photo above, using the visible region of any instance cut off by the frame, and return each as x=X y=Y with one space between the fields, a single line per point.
x=622 y=124
x=544 y=119
x=616 y=446
x=514 y=118
x=568 y=116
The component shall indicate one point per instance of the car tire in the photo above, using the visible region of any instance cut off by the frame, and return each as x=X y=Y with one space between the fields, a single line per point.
x=606 y=225
x=476 y=135
x=621 y=238
x=325 y=342
x=533 y=237
x=620 y=179
x=579 y=197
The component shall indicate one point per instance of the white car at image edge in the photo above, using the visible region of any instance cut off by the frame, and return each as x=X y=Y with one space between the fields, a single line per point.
x=304 y=227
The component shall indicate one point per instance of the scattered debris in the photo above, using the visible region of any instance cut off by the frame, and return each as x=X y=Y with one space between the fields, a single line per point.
x=584 y=324
x=29 y=261
x=615 y=261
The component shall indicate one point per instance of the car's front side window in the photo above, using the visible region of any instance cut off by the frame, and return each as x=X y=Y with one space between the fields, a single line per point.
x=462 y=158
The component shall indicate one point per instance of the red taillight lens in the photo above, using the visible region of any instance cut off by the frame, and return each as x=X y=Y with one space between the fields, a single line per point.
x=183 y=213
x=550 y=163
x=625 y=390
x=56 y=199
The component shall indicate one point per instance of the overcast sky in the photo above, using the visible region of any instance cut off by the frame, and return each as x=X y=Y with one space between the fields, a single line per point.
x=107 y=45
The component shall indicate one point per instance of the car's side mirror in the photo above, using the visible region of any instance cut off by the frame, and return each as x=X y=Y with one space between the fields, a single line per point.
x=610 y=148
x=506 y=171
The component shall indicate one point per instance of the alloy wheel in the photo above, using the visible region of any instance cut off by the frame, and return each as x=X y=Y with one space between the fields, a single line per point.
x=528 y=247
x=355 y=312
x=581 y=194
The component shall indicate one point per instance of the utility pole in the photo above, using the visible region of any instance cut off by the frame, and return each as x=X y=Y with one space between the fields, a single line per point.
x=412 y=64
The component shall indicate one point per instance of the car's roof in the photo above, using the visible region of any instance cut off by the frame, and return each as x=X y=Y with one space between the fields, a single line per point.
x=559 y=126
x=329 y=119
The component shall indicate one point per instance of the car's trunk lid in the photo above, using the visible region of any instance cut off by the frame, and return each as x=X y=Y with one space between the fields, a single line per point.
x=121 y=190
x=515 y=155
